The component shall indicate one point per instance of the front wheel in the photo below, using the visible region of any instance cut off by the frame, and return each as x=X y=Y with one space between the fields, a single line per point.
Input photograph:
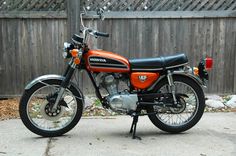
x=37 y=115
x=192 y=104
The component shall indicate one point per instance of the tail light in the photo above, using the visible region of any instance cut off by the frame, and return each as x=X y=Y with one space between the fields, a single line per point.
x=203 y=66
x=208 y=63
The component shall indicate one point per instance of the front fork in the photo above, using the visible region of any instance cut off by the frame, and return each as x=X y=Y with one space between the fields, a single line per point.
x=68 y=74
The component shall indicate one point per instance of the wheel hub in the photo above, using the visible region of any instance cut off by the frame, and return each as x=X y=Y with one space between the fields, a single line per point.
x=51 y=113
x=48 y=114
x=181 y=105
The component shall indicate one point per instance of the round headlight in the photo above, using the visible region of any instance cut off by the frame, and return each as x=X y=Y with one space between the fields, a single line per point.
x=67 y=48
x=66 y=45
x=64 y=54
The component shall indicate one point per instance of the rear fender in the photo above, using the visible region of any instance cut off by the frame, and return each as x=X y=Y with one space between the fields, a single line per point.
x=43 y=80
x=180 y=73
x=190 y=75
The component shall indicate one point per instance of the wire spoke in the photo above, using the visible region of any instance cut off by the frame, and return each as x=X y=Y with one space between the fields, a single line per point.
x=188 y=112
x=42 y=117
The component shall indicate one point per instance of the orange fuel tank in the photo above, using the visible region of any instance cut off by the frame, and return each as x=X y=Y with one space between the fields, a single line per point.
x=143 y=80
x=104 y=61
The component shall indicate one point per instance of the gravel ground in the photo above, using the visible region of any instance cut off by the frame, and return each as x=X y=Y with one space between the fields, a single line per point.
x=9 y=109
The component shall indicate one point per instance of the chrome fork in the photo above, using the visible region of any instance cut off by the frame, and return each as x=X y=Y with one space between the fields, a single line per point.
x=69 y=72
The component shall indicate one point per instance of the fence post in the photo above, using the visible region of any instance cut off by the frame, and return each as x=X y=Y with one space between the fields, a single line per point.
x=73 y=27
x=73 y=17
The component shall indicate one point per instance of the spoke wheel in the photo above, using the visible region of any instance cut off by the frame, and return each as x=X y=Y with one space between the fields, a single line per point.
x=190 y=107
x=38 y=116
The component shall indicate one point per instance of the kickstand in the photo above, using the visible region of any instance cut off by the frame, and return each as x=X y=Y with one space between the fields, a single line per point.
x=133 y=127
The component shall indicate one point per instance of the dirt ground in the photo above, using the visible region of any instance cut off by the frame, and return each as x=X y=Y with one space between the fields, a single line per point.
x=9 y=109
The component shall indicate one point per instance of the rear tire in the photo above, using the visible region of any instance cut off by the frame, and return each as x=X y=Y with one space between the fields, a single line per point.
x=28 y=122
x=155 y=119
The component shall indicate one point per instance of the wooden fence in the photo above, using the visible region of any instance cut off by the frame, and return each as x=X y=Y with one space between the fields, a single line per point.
x=160 y=5
x=155 y=36
x=31 y=44
x=29 y=48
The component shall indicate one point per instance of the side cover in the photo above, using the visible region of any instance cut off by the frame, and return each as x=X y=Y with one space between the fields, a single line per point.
x=143 y=80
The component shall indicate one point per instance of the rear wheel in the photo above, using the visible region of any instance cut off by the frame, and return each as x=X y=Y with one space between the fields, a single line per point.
x=37 y=115
x=190 y=110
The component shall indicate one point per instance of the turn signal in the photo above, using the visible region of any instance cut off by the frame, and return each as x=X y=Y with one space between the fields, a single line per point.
x=195 y=71
x=77 y=61
x=74 y=52
x=208 y=63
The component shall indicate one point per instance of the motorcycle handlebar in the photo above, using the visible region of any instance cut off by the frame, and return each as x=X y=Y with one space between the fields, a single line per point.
x=102 y=34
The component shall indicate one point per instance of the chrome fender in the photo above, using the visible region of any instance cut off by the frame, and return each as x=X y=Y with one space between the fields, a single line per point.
x=181 y=73
x=190 y=75
x=43 y=80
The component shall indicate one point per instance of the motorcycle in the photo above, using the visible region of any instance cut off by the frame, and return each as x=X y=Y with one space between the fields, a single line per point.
x=165 y=89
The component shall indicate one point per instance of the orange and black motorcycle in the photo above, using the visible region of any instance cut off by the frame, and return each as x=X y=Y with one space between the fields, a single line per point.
x=164 y=88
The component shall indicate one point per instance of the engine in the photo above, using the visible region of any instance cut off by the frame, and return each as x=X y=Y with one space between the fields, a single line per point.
x=116 y=85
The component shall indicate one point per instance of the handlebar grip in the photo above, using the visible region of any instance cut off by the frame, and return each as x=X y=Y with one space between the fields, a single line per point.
x=102 y=34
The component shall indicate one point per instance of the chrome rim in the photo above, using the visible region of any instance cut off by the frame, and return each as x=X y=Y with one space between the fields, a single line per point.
x=167 y=115
x=39 y=116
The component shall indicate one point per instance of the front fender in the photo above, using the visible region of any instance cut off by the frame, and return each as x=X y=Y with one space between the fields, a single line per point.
x=43 y=79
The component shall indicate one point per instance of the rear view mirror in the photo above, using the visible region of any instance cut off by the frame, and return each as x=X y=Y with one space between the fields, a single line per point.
x=100 y=13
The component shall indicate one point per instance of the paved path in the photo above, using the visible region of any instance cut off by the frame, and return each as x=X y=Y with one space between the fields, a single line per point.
x=214 y=135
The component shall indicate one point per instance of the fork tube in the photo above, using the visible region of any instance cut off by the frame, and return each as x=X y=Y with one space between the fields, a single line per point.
x=68 y=76
x=64 y=84
x=68 y=67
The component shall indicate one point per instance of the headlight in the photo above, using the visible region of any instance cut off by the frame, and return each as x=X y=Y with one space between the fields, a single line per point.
x=66 y=45
x=67 y=48
x=64 y=54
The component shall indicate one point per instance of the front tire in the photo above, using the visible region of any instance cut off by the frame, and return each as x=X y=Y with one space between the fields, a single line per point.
x=196 y=107
x=34 y=112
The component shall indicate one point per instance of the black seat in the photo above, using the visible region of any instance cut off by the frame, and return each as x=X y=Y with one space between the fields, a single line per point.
x=159 y=63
